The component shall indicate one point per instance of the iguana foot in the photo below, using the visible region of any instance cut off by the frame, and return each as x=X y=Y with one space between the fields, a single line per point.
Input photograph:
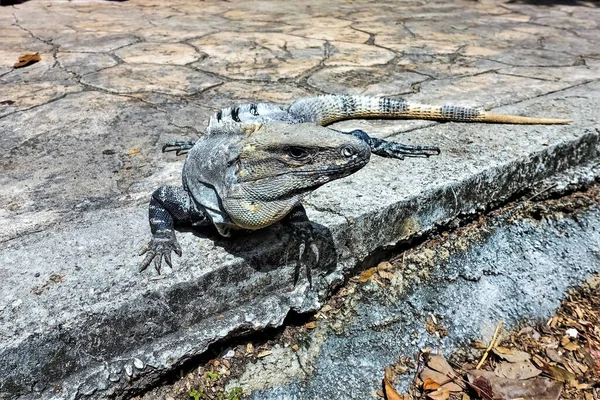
x=307 y=239
x=179 y=147
x=304 y=230
x=399 y=150
x=385 y=148
x=157 y=249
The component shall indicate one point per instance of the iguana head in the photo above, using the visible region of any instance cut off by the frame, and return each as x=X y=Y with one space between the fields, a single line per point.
x=279 y=163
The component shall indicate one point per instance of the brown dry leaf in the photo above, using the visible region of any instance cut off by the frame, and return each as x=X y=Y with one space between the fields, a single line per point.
x=311 y=325
x=430 y=385
x=555 y=356
x=465 y=397
x=389 y=391
x=480 y=384
x=588 y=396
x=263 y=353
x=518 y=370
x=440 y=394
x=571 y=346
x=442 y=379
x=27 y=59
x=384 y=266
x=511 y=355
x=389 y=374
x=295 y=347
x=438 y=363
x=367 y=274
x=249 y=348
x=502 y=350
x=380 y=393
x=386 y=275
x=133 y=151
x=578 y=312
x=535 y=388
x=558 y=373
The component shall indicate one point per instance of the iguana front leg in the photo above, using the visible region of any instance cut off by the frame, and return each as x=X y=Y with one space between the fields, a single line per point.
x=179 y=146
x=168 y=205
x=299 y=222
x=386 y=148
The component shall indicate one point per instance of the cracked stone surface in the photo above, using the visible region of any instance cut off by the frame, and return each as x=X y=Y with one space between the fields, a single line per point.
x=80 y=139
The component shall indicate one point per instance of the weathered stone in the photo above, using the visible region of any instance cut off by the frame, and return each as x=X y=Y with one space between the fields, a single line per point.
x=382 y=81
x=93 y=42
x=263 y=56
x=158 y=53
x=85 y=63
x=21 y=96
x=340 y=53
x=167 y=79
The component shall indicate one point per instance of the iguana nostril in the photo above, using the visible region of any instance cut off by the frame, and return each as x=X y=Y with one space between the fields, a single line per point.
x=348 y=152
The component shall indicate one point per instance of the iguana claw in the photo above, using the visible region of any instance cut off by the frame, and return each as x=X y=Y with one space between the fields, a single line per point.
x=157 y=249
x=307 y=238
x=179 y=147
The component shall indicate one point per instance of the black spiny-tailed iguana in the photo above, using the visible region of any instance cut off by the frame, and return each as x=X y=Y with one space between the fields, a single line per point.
x=257 y=161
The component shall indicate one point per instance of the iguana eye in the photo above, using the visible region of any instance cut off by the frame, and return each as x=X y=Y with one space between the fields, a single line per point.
x=297 y=153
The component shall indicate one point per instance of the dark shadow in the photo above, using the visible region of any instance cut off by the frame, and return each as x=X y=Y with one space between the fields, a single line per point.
x=277 y=247
x=551 y=3
x=11 y=2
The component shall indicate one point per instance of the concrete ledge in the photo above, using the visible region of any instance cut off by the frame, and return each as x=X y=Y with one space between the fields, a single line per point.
x=91 y=325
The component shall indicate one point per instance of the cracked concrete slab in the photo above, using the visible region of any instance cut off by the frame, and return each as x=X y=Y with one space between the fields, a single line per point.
x=81 y=133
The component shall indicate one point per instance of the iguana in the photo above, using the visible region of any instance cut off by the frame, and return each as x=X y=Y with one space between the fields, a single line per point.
x=257 y=161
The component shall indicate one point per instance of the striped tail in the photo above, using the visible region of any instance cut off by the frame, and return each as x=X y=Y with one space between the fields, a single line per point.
x=324 y=110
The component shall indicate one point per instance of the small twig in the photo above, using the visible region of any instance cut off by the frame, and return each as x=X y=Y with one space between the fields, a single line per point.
x=542 y=191
x=491 y=345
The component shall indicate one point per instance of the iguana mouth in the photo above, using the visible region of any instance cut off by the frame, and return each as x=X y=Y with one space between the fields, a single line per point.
x=333 y=171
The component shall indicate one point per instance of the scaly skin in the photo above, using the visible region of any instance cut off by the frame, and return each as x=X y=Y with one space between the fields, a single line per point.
x=257 y=161
x=324 y=110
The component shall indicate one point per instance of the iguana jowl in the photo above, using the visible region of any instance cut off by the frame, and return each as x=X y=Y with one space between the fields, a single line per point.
x=257 y=161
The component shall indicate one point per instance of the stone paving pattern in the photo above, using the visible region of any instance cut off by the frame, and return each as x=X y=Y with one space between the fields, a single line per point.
x=81 y=132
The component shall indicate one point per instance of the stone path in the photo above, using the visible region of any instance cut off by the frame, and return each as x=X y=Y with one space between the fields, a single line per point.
x=81 y=132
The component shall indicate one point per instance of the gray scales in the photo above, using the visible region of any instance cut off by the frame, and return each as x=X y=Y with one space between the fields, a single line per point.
x=257 y=161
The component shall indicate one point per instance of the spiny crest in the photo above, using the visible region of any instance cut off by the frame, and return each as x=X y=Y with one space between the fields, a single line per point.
x=231 y=119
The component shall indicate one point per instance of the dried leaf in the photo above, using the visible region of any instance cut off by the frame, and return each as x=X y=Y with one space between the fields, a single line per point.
x=311 y=325
x=389 y=391
x=502 y=350
x=430 y=384
x=571 y=346
x=555 y=356
x=558 y=373
x=438 y=363
x=384 y=266
x=535 y=388
x=389 y=374
x=440 y=394
x=249 y=348
x=263 y=353
x=295 y=347
x=518 y=370
x=27 y=59
x=512 y=356
x=386 y=275
x=367 y=274
x=481 y=385
x=133 y=151
x=442 y=379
